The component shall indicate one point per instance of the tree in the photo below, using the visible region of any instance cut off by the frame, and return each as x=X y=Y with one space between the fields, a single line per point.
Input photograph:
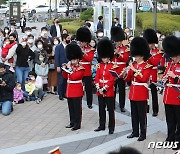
x=3 y=1
x=169 y=6
x=68 y=3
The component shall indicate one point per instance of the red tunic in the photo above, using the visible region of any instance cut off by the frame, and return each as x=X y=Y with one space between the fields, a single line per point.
x=74 y=82
x=170 y=94
x=105 y=79
x=139 y=92
x=122 y=59
x=155 y=59
x=87 y=59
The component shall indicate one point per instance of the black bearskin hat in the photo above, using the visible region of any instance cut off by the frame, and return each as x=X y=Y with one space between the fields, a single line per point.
x=83 y=34
x=171 y=46
x=105 y=49
x=139 y=47
x=151 y=36
x=73 y=51
x=117 y=34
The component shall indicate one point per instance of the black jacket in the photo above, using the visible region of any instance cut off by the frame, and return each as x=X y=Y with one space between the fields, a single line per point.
x=6 y=93
x=23 y=55
x=53 y=31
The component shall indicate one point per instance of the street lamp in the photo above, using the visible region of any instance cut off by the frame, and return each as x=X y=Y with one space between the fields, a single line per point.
x=155 y=14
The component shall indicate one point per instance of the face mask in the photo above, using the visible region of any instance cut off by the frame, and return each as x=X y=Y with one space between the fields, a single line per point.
x=2 y=73
x=6 y=31
x=32 y=78
x=92 y=44
x=56 y=42
x=19 y=88
x=23 y=44
x=100 y=34
x=41 y=59
x=40 y=46
x=67 y=41
x=57 y=22
x=28 y=33
x=11 y=41
x=30 y=40
x=43 y=33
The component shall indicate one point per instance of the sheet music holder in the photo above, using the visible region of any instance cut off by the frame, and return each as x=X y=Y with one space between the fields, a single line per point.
x=69 y=71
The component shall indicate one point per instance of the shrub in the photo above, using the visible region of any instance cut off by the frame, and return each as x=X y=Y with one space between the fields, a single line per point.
x=166 y=23
x=87 y=15
x=175 y=11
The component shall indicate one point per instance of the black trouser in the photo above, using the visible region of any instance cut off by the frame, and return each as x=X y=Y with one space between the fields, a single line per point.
x=75 y=111
x=139 y=117
x=22 y=29
x=109 y=102
x=122 y=93
x=154 y=95
x=62 y=84
x=88 y=88
x=173 y=122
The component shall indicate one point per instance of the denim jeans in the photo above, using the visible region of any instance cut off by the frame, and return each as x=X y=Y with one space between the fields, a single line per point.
x=6 y=107
x=22 y=74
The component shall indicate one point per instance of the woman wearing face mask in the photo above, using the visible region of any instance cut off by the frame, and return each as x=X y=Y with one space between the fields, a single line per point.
x=24 y=54
x=42 y=71
x=52 y=75
x=6 y=31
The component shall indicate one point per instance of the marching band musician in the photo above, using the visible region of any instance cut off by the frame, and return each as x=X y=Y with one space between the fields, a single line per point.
x=121 y=56
x=84 y=36
x=156 y=57
x=139 y=73
x=104 y=82
x=171 y=46
x=74 y=73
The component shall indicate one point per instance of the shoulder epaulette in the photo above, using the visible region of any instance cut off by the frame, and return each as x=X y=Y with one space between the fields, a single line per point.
x=115 y=66
x=148 y=66
x=80 y=68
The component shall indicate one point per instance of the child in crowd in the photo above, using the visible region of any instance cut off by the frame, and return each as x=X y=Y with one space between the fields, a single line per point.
x=42 y=71
x=38 y=92
x=5 y=49
x=29 y=89
x=18 y=94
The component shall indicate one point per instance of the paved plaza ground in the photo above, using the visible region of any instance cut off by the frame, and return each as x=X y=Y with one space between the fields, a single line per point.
x=37 y=128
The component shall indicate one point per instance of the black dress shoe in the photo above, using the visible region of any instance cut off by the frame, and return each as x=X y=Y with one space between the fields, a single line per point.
x=75 y=128
x=132 y=136
x=99 y=129
x=111 y=131
x=69 y=126
x=155 y=114
x=61 y=98
x=122 y=110
x=141 y=138
x=90 y=106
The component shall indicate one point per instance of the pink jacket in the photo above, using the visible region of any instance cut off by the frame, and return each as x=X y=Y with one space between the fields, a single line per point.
x=18 y=95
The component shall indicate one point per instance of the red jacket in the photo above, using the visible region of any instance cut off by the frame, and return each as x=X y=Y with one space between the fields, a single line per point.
x=124 y=53
x=155 y=59
x=104 y=79
x=170 y=94
x=74 y=82
x=87 y=59
x=139 y=92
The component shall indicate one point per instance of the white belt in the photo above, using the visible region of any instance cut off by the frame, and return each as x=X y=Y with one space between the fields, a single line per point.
x=103 y=81
x=154 y=68
x=70 y=81
x=85 y=63
x=172 y=85
x=140 y=84
x=119 y=63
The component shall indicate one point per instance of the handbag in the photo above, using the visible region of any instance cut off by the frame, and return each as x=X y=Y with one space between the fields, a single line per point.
x=39 y=82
